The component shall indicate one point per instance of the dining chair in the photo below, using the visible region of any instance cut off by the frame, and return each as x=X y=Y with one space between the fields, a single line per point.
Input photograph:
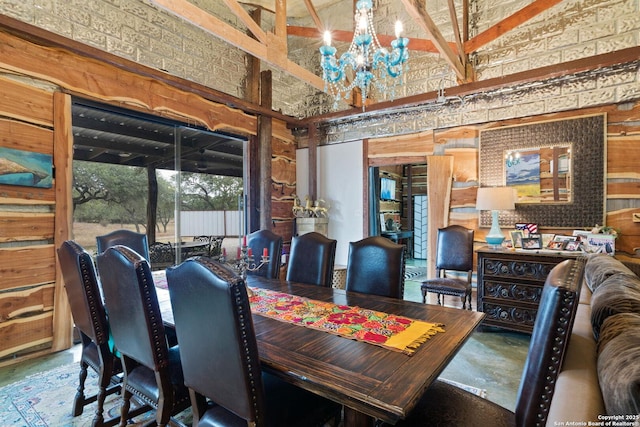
x=90 y=318
x=446 y=404
x=375 y=265
x=257 y=241
x=136 y=241
x=205 y=249
x=311 y=259
x=152 y=369
x=223 y=364
x=161 y=255
x=454 y=253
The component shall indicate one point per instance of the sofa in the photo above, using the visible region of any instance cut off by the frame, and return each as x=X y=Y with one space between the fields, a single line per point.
x=599 y=383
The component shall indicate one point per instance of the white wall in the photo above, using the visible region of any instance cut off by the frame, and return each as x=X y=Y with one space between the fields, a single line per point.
x=340 y=185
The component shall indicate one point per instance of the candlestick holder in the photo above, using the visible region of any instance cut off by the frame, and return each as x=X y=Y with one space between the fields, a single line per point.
x=245 y=262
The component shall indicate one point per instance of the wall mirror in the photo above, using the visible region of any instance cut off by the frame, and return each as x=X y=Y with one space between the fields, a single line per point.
x=557 y=165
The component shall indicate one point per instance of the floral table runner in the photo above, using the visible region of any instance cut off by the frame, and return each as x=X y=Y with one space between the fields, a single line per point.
x=374 y=327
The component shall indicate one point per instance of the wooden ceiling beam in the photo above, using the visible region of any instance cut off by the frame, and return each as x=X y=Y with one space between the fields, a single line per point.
x=526 y=13
x=314 y=15
x=417 y=11
x=247 y=20
x=271 y=52
x=456 y=32
x=421 y=45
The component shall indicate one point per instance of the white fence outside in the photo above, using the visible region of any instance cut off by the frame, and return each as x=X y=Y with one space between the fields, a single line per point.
x=211 y=223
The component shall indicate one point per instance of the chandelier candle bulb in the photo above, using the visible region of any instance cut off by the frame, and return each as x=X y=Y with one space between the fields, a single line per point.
x=327 y=38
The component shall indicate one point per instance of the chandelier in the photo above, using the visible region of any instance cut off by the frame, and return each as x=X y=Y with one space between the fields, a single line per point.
x=371 y=64
x=512 y=159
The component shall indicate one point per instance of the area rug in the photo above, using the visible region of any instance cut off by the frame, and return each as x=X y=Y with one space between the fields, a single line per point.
x=415 y=274
x=46 y=399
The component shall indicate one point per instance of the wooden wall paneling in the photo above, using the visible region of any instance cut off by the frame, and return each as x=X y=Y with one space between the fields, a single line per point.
x=283 y=169
x=99 y=80
x=419 y=144
x=27 y=103
x=439 y=188
x=17 y=102
x=63 y=161
x=26 y=333
x=283 y=187
x=26 y=266
x=629 y=238
x=465 y=163
x=463 y=197
x=26 y=226
x=36 y=299
x=27 y=269
x=265 y=136
x=623 y=154
x=25 y=136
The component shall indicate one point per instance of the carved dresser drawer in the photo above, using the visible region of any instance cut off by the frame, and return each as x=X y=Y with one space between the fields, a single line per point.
x=510 y=285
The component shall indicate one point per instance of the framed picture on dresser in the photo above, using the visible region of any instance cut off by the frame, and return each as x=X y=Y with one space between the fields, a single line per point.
x=534 y=241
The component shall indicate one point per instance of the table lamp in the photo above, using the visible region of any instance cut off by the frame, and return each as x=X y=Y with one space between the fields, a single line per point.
x=495 y=199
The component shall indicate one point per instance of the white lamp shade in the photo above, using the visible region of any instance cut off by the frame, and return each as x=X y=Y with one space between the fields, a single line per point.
x=496 y=198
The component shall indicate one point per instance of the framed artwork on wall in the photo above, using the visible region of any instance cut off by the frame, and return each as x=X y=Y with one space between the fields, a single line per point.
x=556 y=165
x=25 y=168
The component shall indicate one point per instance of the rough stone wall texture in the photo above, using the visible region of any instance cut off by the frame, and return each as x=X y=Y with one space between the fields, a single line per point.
x=573 y=29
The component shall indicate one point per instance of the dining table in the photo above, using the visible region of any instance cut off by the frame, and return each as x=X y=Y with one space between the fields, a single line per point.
x=370 y=381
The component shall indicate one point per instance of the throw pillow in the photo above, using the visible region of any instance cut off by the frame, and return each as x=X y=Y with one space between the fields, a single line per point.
x=618 y=367
x=599 y=267
x=619 y=293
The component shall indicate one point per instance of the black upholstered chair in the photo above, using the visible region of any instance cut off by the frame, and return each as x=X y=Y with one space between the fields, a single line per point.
x=89 y=316
x=257 y=241
x=454 y=253
x=311 y=259
x=447 y=405
x=152 y=370
x=136 y=241
x=223 y=364
x=376 y=266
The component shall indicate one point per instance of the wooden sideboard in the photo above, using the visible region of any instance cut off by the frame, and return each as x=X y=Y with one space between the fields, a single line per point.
x=510 y=285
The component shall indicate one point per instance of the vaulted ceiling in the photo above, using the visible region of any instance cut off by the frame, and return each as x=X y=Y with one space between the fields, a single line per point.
x=271 y=46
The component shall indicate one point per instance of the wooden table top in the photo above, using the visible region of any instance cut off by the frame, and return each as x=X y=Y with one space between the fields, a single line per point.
x=369 y=380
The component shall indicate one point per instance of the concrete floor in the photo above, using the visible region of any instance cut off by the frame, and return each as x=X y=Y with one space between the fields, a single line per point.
x=491 y=360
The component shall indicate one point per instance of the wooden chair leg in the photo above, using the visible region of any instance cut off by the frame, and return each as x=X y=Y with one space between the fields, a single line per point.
x=79 y=400
x=124 y=409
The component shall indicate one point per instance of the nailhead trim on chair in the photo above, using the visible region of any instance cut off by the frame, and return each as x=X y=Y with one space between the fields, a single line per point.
x=157 y=328
x=236 y=283
x=569 y=300
x=101 y=334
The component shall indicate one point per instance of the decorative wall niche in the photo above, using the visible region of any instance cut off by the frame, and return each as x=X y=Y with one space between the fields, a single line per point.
x=583 y=138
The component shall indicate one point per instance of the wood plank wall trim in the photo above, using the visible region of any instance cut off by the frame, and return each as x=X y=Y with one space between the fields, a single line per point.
x=63 y=161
